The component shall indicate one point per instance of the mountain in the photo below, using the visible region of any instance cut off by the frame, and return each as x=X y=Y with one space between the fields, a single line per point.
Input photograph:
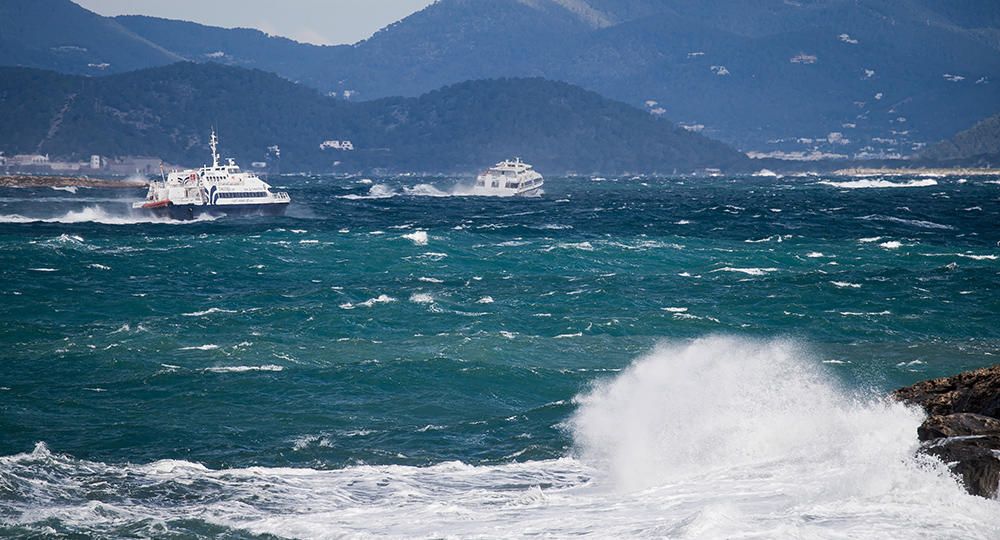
x=62 y=36
x=979 y=144
x=241 y=47
x=846 y=77
x=168 y=112
x=806 y=78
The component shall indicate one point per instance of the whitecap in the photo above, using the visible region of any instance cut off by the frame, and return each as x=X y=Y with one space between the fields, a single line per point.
x=585 y=246
x=208 y=311
x=912 y=222
x=102 y=216
x=378 y=191
x=747 y=271
x=208 y=347
x=485 y=300
x=879 y=184
x=665 y=448
x=846 y=285
x=419 y=238
x=421 y=298
x=380 y=299
x=244 y=369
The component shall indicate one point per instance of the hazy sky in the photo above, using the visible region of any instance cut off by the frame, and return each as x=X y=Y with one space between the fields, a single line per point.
x=312 y=21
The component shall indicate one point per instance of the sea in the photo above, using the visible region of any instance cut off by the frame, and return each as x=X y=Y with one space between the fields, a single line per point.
x=633 y=357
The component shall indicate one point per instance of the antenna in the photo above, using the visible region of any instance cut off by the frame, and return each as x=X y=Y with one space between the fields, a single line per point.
x=214 y=143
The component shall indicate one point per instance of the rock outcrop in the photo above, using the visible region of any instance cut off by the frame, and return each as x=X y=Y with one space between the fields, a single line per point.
x=975 y=391
x=963 y=426
x=957 y=425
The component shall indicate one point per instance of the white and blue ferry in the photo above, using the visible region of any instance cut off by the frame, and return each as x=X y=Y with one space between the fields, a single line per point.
x=216 y=190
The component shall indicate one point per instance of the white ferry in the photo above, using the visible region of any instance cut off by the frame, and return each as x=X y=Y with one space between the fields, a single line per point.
x=215 y=190
x=511 y=178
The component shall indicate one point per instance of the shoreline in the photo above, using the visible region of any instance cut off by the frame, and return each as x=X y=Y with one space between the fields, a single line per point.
x=944 y=171
x=29 y=181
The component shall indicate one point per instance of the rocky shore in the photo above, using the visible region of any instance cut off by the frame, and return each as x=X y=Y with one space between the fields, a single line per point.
x=963 y=425
x=27 y=181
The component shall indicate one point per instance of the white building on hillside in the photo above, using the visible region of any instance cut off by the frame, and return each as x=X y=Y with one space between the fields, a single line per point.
x=337 y=145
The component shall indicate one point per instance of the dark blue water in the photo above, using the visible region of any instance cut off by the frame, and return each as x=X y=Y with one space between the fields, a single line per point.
x=396 y=324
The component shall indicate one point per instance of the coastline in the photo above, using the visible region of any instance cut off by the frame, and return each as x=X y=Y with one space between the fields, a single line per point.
x=944 y=171
x=28 y=181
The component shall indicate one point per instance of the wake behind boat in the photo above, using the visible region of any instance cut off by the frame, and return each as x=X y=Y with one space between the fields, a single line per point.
x=215 y=190
x=510 y=178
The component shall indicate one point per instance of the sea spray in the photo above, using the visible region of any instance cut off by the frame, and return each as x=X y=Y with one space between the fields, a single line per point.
x=720 y=437
x=118 y=215
x=726 y=403
x=506 y=461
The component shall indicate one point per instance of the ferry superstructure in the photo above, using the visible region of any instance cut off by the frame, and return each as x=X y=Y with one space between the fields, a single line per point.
x=510 y=178
x=222 y=189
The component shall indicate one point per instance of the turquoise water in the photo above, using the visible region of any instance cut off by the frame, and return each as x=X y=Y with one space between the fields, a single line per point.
x=287 y=375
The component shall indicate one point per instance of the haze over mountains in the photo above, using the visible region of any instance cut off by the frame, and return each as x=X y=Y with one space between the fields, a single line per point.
x=858 y=78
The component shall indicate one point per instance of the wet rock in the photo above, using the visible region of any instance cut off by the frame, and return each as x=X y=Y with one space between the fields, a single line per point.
x=963 y=429
x=973 y=459
x=957 y=425
x=975 y=391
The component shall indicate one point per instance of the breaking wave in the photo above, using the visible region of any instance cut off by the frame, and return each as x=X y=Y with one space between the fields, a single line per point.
x=713 y=438
x=383 y=191
x=97 y=214
x=879 y=184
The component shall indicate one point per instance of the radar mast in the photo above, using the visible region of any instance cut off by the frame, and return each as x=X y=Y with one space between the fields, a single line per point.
x=214 y=143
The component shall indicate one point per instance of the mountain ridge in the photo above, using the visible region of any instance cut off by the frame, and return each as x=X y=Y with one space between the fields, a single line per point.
x=979 y=144
x=866 y=79
x=168 y=111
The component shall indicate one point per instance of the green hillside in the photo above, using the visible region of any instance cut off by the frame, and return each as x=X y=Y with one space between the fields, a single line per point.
x=62 y=36
x=169 y=111
x=979 y=144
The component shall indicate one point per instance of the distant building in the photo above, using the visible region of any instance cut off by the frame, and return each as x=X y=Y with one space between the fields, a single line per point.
x=96 y=162
x=259 y=165
x=64 y=166
x=135 y=165
x=30 y=160
x=337 y=145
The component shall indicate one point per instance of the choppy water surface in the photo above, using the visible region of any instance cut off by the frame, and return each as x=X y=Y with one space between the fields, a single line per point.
x=621 y=357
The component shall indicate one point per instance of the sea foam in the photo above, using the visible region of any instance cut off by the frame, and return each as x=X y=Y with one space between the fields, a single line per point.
x=100 y=215
x=879 y=184
x=718 y=437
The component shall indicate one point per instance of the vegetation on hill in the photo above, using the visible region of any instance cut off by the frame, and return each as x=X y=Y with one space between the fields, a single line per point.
x=979 y=144
x=763 y=75
x=62 y=36
x=169 y=112
x=873 y=78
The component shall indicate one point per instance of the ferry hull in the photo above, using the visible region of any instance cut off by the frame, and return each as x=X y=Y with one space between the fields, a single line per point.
x=536 y=191
x=190 y=211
